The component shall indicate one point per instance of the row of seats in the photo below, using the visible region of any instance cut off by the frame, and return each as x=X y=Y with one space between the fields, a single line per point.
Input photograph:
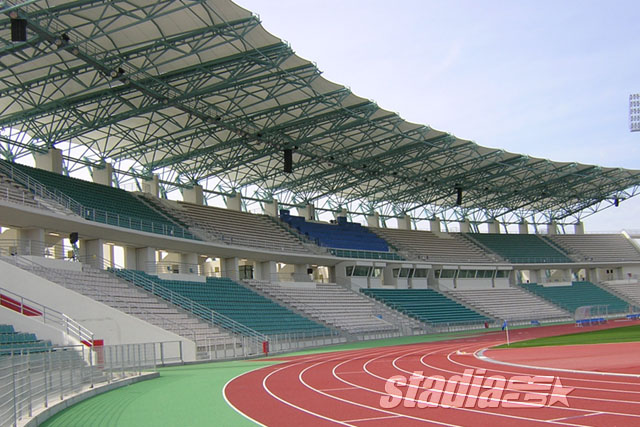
x=521 y=248
x=12 y=341
x=343 y=235
x=426 y=305
x=243 y=305
x=578 y=294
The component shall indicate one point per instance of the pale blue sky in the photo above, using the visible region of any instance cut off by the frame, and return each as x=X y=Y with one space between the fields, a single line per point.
x=546 y=78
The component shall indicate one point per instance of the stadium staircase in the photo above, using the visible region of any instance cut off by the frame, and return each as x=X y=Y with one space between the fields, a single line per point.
x=627 y=290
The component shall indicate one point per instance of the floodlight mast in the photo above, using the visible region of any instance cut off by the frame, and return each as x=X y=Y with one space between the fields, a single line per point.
x=634 y=112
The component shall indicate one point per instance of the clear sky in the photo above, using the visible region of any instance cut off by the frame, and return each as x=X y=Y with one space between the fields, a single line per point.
x=545 y=78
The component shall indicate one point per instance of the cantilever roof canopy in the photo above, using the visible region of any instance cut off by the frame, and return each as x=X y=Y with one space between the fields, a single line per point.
x=198 y=92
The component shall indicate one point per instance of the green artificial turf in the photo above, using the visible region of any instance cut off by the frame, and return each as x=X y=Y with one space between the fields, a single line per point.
x=622 y=334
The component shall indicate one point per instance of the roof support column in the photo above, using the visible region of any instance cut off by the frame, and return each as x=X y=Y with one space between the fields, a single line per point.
x=193 y=195
x=271 y=208
x=465 y=226
x=434 y=226
x=50 y=161
x=373 y=220
x=579 y=228
x=404 y=222
x=309 y=212
x=552 y=228
x=234 y=202
x=151 y=186
x=494 y=227
x=523 y=227
x=103 y=175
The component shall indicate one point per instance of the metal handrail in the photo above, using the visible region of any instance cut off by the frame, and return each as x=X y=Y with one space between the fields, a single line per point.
x=49 y=316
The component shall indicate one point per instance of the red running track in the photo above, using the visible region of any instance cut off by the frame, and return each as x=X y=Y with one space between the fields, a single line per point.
x=345 y=388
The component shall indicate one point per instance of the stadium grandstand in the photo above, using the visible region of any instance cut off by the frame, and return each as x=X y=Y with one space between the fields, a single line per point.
x=178 y=186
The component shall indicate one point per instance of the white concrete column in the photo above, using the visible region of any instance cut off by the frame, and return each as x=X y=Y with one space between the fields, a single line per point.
x=578 y=228
x=130 y=258
x=404 y=222
x=434 y=226
x=267 y=270
x=103 y=175
x=309 y=212
x=151 y=186
x=494 y=227
x=373 y=220
x=50 y=161
x=189 y=263
x=552 y=228
x=271 y=208
x=234 y=202
x=31 y=241
x=300 y=273
x=146 y=259
x=193 y=195
x=465 y=226
x=230 y=268
x=93 y=252
x=523 y=227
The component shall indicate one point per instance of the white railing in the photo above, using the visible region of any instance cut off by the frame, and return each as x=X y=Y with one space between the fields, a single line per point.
x=47 y=315
x=31 y=381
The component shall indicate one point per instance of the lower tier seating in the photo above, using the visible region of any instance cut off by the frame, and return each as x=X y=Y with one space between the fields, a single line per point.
x=244 y=306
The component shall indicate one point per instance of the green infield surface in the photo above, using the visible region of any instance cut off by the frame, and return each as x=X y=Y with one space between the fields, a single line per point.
x=622 y=334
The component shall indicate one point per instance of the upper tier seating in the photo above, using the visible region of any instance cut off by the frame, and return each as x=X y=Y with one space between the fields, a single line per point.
x=577 y=295
x=107 y=205
x=428 y=245
x=597 y=247
x=243 y=305
x=239 y=228
x=511 y=304
x=18 y=342
x=521 y=248
x=345 y=237
x=330 y=303
x=426 y=305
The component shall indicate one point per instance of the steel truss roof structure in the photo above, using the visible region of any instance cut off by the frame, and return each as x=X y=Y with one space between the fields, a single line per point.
x=197 y=91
